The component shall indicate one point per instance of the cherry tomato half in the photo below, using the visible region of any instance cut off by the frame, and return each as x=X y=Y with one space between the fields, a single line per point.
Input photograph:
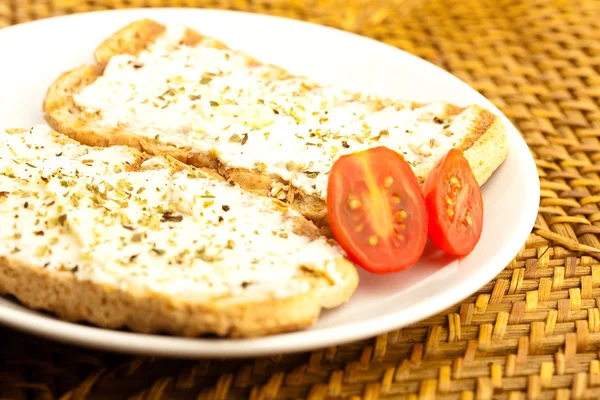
x=454 y=204
x=376 y=210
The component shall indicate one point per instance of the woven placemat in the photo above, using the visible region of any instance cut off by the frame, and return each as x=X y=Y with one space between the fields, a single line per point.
x=530 y=333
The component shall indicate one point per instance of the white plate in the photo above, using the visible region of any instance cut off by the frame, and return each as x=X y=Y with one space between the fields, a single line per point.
x=34 y=54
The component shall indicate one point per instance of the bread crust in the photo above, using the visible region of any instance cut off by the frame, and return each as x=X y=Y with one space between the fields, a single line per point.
x=141 y=310
x=108 y=307
x=485 y=146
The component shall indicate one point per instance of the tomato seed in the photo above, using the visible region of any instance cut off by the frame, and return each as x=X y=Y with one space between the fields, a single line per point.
x=469 y=219
x=454 y=181
x=396 y=198
x=373 y=240
x=401 y=215
x=354 y=204
x=360 y=227
x=387 y=182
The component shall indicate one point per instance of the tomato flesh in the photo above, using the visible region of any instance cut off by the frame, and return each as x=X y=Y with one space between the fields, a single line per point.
x=454 y=204
x=376 y=210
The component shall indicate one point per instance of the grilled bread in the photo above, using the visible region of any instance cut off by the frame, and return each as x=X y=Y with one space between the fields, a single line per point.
x=166 y=89
x=122 y=239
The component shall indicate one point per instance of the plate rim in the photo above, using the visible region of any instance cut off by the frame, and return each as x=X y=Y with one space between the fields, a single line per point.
x=49 y=326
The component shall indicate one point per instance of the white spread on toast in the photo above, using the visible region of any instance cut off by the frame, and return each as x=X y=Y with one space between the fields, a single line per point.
x=85 y=211
x=257 y=116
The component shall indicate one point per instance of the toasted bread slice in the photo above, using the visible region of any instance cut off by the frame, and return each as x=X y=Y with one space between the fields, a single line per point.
x=169 y=90
x=120 y=239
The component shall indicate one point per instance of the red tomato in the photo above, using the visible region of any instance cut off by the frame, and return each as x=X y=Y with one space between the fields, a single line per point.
x=376 y=210
x=454 y=204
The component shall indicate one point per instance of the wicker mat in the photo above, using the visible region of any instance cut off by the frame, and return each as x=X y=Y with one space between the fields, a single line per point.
x=530 y=333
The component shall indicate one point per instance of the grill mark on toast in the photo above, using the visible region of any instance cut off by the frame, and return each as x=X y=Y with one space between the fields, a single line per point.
x=481 y=126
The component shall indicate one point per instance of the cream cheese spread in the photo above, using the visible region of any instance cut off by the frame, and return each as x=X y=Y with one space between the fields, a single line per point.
x=85 y=211
x=256 y=116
